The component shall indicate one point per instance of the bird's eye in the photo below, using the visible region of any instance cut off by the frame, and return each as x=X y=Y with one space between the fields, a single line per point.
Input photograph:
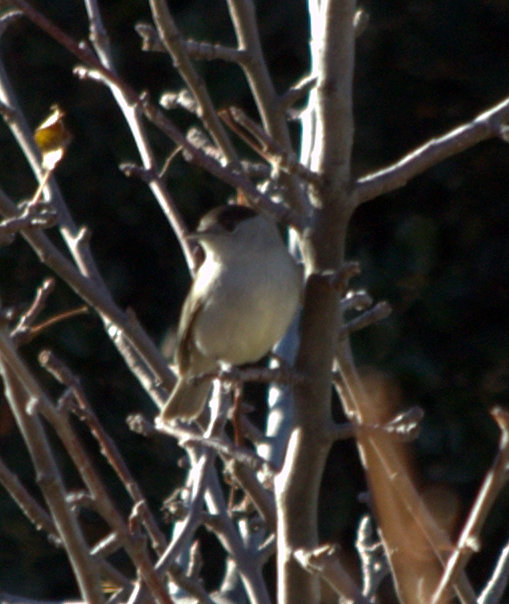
x=230 y=224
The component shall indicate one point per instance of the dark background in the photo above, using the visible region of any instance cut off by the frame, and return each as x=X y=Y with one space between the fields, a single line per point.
x=435 y=249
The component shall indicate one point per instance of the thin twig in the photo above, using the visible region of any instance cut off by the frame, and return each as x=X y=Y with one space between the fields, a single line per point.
x=33 y=215
x=36 y=330
x=24 y=137
x=151 y=42
x=298 y=91
x=240 y=454
x=469 y=539
x=378 y=313
x=212 y=52
x=28 y=318
x=189 y=583
x=265 y=145
x=496 y=586
x=130 y=339
x=262 y=375
x=262 y=498
x=404 y=427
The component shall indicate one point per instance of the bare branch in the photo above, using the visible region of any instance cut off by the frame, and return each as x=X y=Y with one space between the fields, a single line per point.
x=28 y=505
x=7 y=112
x=123 y=328
x=134 y=102
x=172 y=41
x=151 y=42
x=103 y=503
x=241 y=473
x=202 y=483
x=379 y=312
x=28 y=318
x=247 y=563
x=265 y=145
x=371 y=553
x=190 y=584
x=211 y=52
x=316 y=194
x=198 y=480
x=48 y=187
x=130 y=110
x=469 y=539
x=262 y=498
x=404 y=427
x=263 y=375
x=489 y=124
x=399 y=503
x=24 y=332
x=237 y=180
x=42 y=521
x=107 y=446
x=324 y=561
x=298 y=91
x=240 y=454
x=32 y=216
x=496 y=586
x=20 y=387
x=272 y=110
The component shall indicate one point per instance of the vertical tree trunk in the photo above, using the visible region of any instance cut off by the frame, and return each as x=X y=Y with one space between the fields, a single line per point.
x=329 y=144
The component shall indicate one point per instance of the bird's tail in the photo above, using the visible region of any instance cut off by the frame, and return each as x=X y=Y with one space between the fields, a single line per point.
x=186 y=400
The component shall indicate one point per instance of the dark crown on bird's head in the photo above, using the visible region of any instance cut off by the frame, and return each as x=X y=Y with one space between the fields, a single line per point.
x=229 y=217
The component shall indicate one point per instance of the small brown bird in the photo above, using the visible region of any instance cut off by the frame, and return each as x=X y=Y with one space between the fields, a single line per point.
x=241 y=302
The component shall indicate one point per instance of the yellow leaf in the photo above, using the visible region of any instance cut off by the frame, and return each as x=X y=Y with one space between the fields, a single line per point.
x=52 y=138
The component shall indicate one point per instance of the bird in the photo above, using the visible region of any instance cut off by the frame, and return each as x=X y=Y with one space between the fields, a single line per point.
x=240 y=303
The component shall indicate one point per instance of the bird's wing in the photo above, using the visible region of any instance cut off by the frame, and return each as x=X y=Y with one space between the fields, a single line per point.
x=185 y=341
